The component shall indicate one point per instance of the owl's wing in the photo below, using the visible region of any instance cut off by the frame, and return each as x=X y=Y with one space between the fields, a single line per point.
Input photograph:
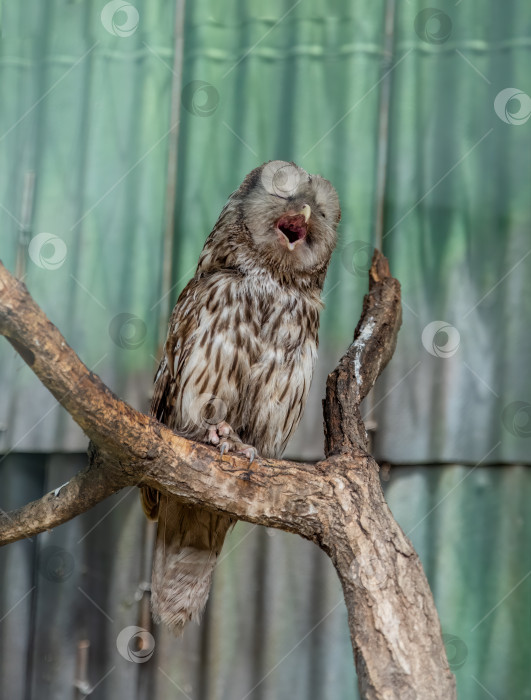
x=183 y=324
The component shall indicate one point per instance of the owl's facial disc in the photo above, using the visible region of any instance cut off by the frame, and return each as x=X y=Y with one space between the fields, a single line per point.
x=292 y=228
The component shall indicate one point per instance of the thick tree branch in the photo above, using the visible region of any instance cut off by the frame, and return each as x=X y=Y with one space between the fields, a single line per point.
x=338 y=502
x=373 y=346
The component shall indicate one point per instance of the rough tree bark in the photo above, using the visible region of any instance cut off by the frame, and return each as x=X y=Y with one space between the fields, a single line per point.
x=338 y=502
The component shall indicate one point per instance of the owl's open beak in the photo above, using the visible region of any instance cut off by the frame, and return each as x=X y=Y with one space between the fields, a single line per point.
x=292 y=228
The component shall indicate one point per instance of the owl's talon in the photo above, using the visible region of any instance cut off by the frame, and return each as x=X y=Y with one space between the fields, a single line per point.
x=250 y=453
x=228 y=440
x=234 y=444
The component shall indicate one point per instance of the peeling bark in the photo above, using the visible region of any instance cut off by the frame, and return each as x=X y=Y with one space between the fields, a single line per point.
x=338 y=502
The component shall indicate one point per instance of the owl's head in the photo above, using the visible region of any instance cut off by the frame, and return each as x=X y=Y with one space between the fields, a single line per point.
x=291 y=216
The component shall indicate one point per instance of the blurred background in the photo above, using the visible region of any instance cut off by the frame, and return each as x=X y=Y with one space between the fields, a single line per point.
x=123 y=129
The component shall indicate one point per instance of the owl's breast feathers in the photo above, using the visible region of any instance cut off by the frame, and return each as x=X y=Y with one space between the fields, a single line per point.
x=242 y=348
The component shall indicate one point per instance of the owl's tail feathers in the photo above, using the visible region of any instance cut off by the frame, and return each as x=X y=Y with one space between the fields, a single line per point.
x=189 y=540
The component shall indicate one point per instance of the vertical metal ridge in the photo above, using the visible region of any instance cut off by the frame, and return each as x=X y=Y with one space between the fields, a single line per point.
x=172 y=171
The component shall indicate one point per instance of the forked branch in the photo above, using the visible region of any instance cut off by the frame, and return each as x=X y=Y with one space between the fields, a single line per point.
x=337 y=503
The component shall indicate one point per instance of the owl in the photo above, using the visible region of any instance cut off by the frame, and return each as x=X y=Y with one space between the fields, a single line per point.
x=239 y=358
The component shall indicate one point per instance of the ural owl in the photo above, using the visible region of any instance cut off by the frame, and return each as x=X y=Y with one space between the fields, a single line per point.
x=239 y=357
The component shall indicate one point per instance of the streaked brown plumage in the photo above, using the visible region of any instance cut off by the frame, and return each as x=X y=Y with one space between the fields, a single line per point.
x=239 y=357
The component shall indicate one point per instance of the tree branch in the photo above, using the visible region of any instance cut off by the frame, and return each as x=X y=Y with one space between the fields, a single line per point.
x=373 y=346
x=337 y=503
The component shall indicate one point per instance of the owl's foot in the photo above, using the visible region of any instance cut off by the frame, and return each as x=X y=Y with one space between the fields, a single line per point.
x=218 y=432
x=223 y=435
x=231 y=445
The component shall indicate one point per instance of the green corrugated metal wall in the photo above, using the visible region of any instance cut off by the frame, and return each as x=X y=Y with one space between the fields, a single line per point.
x=89 y=112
